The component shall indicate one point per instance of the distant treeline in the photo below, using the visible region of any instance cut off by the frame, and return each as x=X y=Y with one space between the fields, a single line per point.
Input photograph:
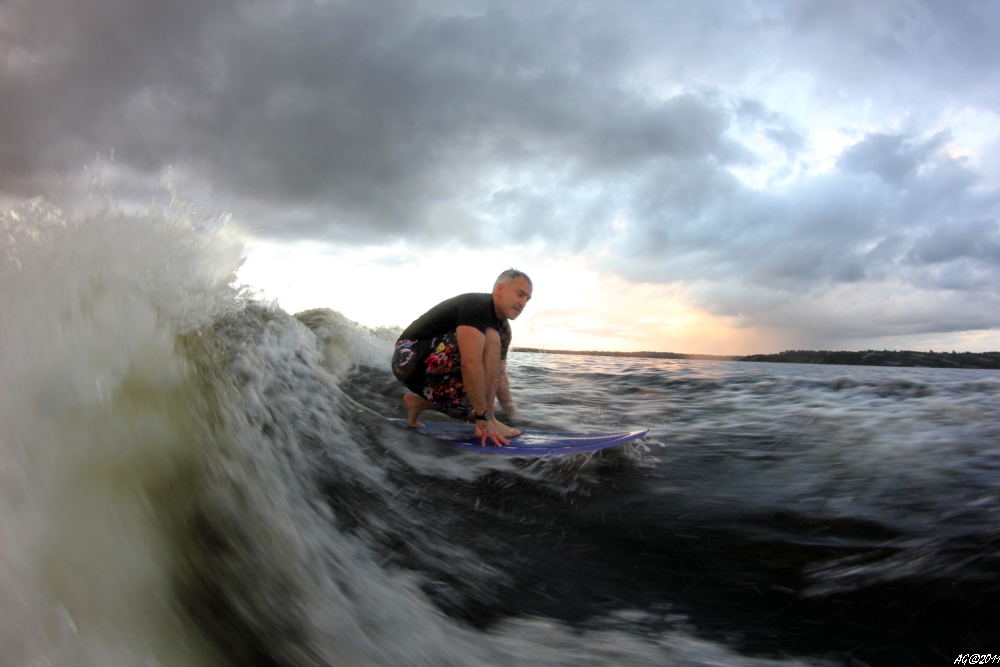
x=883 y=358
x=864 y=358
x=643 y=355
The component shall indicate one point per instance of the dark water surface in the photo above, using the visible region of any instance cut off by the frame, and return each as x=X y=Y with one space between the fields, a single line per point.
x=780 y=509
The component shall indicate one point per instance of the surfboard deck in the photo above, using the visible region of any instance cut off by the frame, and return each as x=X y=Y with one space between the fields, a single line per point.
x=531 y=442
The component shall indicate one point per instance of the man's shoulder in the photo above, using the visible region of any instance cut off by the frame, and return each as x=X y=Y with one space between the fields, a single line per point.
x=472 y=297
x=471 y=309
x=468 y=303
x=475 y=305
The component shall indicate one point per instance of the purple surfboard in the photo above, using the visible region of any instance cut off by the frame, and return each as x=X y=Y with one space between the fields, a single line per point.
x=531 y=442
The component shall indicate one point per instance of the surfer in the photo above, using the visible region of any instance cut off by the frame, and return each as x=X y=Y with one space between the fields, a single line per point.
x=454 y=357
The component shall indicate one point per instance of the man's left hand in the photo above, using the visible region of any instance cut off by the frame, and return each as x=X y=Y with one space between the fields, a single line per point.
x=488 y=429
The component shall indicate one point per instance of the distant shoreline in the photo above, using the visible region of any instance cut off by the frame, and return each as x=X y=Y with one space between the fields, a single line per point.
x=641 y=355
x=901 y=358
x=898 y=358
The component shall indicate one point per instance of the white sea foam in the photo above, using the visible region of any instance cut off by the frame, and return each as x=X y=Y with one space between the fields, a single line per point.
x=90 y=390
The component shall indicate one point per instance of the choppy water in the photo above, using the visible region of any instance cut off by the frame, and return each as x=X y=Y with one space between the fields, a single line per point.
x=188 y=477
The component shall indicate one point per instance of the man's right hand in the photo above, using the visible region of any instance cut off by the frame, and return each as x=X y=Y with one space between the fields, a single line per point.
x=488 y=429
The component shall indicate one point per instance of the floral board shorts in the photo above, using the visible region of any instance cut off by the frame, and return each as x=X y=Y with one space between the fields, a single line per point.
x=432 y=368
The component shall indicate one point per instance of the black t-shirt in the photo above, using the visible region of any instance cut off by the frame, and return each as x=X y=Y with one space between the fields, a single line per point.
x=472 y=310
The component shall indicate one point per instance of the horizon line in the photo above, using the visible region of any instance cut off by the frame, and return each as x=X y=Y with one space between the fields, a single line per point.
x=722 y=357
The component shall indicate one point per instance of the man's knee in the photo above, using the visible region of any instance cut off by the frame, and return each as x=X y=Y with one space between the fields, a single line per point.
x=491 y=350
x=492 y=338
x=491 y=355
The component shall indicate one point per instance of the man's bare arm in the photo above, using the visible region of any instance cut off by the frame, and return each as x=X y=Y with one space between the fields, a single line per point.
x=471 y=347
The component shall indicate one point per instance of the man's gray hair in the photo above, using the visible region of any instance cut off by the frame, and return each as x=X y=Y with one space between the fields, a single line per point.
x=510 y=275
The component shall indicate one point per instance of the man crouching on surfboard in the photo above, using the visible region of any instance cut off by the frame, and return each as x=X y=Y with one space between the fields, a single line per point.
x=454 y=357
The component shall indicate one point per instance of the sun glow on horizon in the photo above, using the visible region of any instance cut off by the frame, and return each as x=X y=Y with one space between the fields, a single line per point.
x=574 y=307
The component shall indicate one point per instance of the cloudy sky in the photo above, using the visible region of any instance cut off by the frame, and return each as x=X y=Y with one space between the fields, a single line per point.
x=715 y=177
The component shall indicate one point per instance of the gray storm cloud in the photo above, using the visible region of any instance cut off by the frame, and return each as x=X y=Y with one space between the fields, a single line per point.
x=380 y=121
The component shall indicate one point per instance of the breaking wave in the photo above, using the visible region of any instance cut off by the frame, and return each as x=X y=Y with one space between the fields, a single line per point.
x=185 y=481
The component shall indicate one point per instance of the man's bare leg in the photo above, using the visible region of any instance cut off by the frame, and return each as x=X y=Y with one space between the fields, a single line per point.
x=492 y=366
x=414 y=406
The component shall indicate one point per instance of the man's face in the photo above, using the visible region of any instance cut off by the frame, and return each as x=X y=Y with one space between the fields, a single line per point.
x=511 y=299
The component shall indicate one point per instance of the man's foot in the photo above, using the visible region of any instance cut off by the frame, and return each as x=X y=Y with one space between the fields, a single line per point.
x=506 y=431
x=414 y=406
